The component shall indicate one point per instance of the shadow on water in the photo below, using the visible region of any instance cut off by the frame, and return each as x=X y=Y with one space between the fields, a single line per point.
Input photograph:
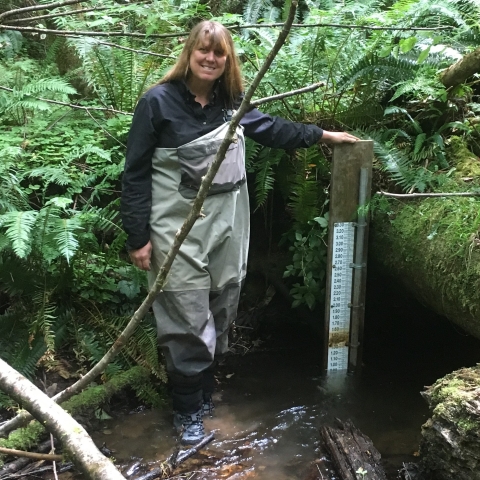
x=271 y=404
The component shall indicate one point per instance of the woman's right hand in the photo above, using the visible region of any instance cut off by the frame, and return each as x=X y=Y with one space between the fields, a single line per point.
x=141 y=257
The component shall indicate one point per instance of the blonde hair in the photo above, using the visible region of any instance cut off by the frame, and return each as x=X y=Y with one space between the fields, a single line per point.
x=218 y=38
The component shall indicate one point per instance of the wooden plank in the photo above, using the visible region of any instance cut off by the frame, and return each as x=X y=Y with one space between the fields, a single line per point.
x=348 y=160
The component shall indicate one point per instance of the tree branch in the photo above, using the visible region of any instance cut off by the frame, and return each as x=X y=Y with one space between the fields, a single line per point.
x=72 y=105
x=142 y=52
x=89 y=33
x=11 y=13
x=35 y=456
x=255 y=103
x=336 y=25
x=75 y=440
x=426 y=195
x=182 y=34
x=280 y=96
x=59 y=14
x=192 y=217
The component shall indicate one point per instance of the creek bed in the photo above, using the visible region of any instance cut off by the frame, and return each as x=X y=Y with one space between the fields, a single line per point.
x=270 y=403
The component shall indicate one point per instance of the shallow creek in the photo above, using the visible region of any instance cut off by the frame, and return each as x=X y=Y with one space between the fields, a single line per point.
x=270 y=404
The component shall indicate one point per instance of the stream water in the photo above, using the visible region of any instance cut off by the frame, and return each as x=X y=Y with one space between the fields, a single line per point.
x=270 y=404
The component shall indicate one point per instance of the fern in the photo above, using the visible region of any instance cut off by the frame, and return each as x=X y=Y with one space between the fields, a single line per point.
x=18 y=229
x=10 y=43
x=265 y=160
x=43 y=85
x=45 y=315
x=304 y=196
x=64 y=235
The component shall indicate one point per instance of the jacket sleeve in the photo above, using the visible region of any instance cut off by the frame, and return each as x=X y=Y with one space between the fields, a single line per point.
x=278 y=132
x=136 y=198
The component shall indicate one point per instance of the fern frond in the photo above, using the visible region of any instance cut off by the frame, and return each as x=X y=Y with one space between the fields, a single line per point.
x=54 y=85
x=304 y=198
x=388 y=71
x=18 y=229
x=44 y=317
x=264 y=178
x=58 y=174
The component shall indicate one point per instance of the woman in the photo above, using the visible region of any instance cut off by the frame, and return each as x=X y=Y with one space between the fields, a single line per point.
x=176 y=130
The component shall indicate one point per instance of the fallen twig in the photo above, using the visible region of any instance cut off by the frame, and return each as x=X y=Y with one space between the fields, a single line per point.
x=35 y=456
x=166 y=468
x=426 y=195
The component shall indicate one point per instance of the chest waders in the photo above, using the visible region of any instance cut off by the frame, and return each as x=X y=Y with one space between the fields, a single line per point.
x=199 y=301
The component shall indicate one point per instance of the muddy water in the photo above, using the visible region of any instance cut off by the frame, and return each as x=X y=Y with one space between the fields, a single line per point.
x=270 y=404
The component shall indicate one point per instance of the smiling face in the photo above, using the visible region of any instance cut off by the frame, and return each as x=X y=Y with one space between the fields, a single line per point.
x=207 y=61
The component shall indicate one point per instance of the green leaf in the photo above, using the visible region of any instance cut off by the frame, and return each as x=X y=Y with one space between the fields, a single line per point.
x=423 y=56
x=419 y=141
x=407 y=44
x=322 y=221
x=385 y=51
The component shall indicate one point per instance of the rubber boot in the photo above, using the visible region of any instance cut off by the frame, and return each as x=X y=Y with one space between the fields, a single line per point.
x=188 y=407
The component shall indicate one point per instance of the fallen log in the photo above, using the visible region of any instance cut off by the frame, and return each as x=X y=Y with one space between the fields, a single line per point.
x=83 y=404
x=73 y=437
x=460 y=71
x=353 y=453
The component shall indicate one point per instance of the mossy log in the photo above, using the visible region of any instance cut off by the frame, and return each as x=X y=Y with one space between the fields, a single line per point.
x=352 y=452
x=450 y=448
x=460 y=71
x=433 y=247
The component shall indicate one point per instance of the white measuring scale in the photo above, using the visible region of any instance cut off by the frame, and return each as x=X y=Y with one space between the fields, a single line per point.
x=340 y=295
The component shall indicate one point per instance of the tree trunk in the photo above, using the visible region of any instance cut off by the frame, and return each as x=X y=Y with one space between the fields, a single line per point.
x=75 y=440
x=461 y=70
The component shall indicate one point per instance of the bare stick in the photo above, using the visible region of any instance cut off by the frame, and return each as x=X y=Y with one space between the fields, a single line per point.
x=181 y=34
x=72 y=105
x=35 y=456
x=59 y=14
x=426 y=195
x=255 y=103
x=280 y=96
x=336 y=25
x=166 y=468
x=192 y=217
x=142 y=52
x=11 y=13
x=89 y=33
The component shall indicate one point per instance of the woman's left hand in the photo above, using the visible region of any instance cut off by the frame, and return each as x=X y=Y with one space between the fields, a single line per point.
x=337 y=137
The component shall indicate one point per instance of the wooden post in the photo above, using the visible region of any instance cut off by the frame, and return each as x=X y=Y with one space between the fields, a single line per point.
x=350 y=163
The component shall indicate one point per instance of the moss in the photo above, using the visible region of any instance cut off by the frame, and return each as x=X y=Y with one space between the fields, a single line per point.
x=23 y=438
x=451 y=390
x=87 y=401
x=451 y=395
x=466 y=163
